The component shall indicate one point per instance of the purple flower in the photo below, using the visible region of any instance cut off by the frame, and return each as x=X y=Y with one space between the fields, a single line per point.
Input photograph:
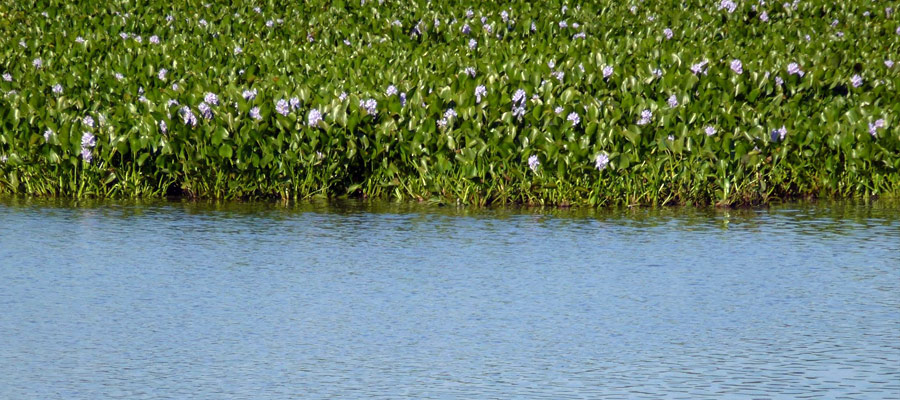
x=794 y=69
x=47 y=134
x=88 y=140
x=57 y=89
x=601 y=161
x=124 y=35
x=7 y=77
x=504 y=16
x=154 y=39
x=163 y=127
x=314 y=117
x=294 y=103
x=710 y=130
x=563 y=24
x=646 y=117
x=519 y=96
x=559 y=75
x=370 y=105
x=470 y=71
x=889 y=63
x=533 y=162
x=466 y=30
x=79 y=40
x=764 y=17
x=450 y=114
x=699 y=68
x=343 y=96
x=873 y=128
x=607 y=71
x=162 y=74
x=238 y=50
x=779 y=134
x=86 y=155
x=480 y=91
x=282 y=107
x=668 y=32
x=254 y=113
x=779 y=81
x=518 y=111
x=88 y=121
x=473 y=44
x=38 y=63
x=728 y=5
x=391 y=91
x=573 y=118
x=673 y=101
x=118 y=76
x=249 y=94
x=211 y=98
x=534 y=28
x=856 y=80
x=188 y=116
x=579 y=35
x=737 y=67
x=205 y=111
x=403 y=99
x=558 y=110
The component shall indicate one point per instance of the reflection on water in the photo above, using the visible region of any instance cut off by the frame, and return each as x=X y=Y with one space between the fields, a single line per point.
x=251 y=300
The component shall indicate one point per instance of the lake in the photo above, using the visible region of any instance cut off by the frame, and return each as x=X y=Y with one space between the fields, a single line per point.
x=156 y=299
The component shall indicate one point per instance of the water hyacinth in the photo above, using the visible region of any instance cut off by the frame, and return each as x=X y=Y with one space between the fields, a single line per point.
x=342 y=96
x=469 y=71
x=673 y=101
x=37 y=63
x=473 y=44
x=764 y=17
x=558 y=110
x=466 y=29
x=391 y=91
x=573 y=118
x=7 y=77
x=533 y=162
x=88 y=141
x=370 y=105
x=163 y=127
x=211 y=98
x=154 y=39
x=294 y=103
x=282 y=107
x=88 y=121
x=254 y=113
x=607 y=71
x=162 y=74
x=710 y=130
x=779 y=134
x=737 y=67
x=480 y=91
x=668 y=33
x=403 y=99
x=238 y=50
x=47 y=134
x=646 y=117
x=874 y=127
x=889 y=63
x=188 y=116
x=249 y=94
x=794 y=69
x=601 y=161
x=856 y=80
x=700 y=68
x=79 y=40
x=205 y=110
x=314 y=118
x=519 y=96
x=727 y=5
x=57 y=89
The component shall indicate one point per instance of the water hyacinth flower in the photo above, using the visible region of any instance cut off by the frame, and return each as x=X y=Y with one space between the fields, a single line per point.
x=7 y=77
x=188 y=116
x=169 y=18
x=737 y=67
x=391 y=91
x=202 y=23
x=175 y=87
x=601 y=161
x=779 y=81
x=668 y=33
x=370 y=105
x=162 y=74
x=551 y=64
x=480 y=91
x=779 y=134
x=238 y=50
x=271 y=23
x=249 y=94
x=673 y=101
x=282 y=107
x=856 y=80
x=205 y=111
x=47 y=134
x=558 y=110
x=466 y=30
x=889 y=63
x=728 y=5
x=211 y=98
x=79 y=40
x=343 y=96
x=874 y=127
x=607 y=71
x=487 y=28
x=519 y=96
x=314 y=117
x=700 y=68
x=559 y=75
x=450 y=114
x=573 y=118
x=473 y=44
x=38 y=63
x=518 y=111
x=533 y=162
x=646 y=116
x=534 y=28
x=57 y=89
x=764 y=17
x=88 y=121
x=657 y=72
x=254 y=113
x=138 y=39
x=154 y=39
x=504 y=16
x=294 y=103
x=124 y=35
x=563 y=24
x=470 y=71
x=403 y=99
x=88 y=141
x=163 y=127
x=794 y=69
x=710 y=130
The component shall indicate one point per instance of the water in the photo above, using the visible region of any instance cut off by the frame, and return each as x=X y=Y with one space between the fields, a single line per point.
x=248 y=301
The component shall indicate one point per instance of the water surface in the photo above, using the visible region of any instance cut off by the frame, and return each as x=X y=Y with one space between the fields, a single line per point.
x=151 y=300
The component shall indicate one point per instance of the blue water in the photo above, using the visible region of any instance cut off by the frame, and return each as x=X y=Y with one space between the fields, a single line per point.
x=247 y=301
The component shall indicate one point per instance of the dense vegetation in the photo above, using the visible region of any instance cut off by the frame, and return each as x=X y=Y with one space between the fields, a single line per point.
x=608 y=102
